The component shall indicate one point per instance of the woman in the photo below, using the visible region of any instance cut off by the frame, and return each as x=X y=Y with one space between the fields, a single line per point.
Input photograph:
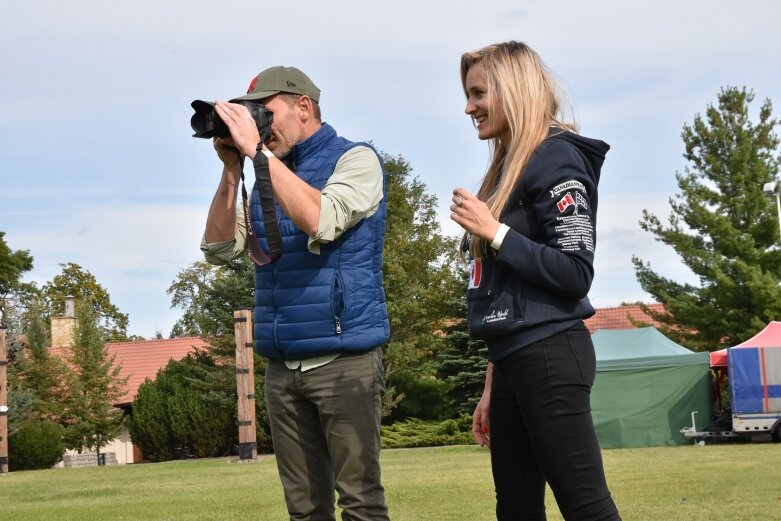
x=530 y=233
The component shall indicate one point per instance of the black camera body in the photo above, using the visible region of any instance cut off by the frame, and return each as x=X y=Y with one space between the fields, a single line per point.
x=208 y=124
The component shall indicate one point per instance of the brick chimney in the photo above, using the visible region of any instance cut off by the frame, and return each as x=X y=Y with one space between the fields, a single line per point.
x=62 y=327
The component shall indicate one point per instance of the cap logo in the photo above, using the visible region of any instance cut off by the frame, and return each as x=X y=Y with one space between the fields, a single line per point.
x=290 y=84
x=252 y=84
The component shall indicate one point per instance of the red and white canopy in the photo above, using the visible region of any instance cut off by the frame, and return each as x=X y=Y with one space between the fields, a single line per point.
x=768 y=337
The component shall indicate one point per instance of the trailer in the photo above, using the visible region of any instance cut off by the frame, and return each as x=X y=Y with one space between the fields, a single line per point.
x=715 y=430
x=753 y=374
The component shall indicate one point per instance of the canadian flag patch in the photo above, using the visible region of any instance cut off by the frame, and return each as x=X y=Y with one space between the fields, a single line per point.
x=476 y=273
x=565 y=202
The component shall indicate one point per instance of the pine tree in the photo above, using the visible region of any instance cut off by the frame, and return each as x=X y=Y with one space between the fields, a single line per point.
x=463 y=362
x=94 y=385
x=21 y=407
x=40 y=373
x=723 y=227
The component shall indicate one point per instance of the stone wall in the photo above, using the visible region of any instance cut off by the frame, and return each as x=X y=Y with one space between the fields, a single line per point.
x=88 y=459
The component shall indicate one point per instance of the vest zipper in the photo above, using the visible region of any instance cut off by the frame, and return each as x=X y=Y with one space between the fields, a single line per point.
x=337 y=302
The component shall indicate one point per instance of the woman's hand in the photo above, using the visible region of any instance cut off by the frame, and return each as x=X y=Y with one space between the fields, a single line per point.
x=481 y=430
x=473 y=215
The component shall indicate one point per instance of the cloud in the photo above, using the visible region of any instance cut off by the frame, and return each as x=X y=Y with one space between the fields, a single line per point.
x=134 y=252
x=99 y=166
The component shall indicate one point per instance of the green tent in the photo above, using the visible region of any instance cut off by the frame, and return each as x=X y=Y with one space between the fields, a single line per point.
x=646 y=388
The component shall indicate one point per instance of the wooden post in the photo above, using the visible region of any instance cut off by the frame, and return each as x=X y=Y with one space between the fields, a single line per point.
x=3 y=404
x=245 y=383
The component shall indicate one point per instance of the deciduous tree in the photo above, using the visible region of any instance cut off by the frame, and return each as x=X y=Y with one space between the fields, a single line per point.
x=12 y=265
x=74 y=281
x=419 y=273
x=189 y=292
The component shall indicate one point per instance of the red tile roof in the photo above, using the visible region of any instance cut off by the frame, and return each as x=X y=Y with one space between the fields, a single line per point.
x=618 y=317
x=142 y=359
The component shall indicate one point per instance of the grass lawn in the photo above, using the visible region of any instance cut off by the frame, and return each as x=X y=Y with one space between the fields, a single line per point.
x=714 y=482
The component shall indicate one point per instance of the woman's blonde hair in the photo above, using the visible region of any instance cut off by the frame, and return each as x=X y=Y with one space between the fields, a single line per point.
x=519 y=84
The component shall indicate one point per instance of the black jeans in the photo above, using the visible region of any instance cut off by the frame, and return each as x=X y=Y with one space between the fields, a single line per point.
x=542 y=431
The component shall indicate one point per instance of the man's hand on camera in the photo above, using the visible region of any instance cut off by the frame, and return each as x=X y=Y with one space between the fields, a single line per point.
x=243 y=129
x=228 y=154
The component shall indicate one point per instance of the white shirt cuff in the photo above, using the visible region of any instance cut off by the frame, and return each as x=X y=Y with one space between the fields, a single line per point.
x=499 y=237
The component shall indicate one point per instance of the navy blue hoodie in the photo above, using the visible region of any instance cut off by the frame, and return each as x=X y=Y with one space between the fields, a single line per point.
x=536 y=284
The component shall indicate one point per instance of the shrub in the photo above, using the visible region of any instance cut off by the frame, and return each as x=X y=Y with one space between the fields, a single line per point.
x=165 y=420
x=149 y=425
x=36 y=445
x=189 y=410
x=418 y=433
x=425 y=398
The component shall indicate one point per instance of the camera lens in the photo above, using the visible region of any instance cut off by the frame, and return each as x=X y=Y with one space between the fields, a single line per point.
x=208 y=124
x=205 y=122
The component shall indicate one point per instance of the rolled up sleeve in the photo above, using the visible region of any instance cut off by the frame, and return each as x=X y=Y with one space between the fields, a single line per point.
x=223 y=252
x=352 y=193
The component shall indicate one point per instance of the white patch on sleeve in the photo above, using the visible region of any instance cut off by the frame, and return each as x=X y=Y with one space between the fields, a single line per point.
x=567 y=185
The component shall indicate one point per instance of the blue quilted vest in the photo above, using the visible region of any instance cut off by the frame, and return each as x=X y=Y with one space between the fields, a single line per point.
x=309 y=305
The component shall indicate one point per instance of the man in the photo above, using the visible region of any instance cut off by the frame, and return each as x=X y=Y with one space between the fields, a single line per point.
x=320 y=313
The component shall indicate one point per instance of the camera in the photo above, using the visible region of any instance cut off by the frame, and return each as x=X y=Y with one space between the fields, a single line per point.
x=207 y=123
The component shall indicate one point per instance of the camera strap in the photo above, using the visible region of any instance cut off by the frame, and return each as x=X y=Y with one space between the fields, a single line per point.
x=268 y=207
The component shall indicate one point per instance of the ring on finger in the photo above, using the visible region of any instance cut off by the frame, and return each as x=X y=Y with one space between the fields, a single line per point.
x=458 y=200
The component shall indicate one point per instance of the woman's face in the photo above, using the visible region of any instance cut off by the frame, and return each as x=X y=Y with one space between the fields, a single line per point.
x=489 y=118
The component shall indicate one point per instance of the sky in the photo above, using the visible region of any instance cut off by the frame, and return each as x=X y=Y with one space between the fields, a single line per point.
x=98 y=165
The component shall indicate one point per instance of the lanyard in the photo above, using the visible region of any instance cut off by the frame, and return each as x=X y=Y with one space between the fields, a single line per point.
x=269 y=209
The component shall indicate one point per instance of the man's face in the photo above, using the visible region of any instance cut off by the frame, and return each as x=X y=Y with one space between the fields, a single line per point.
x=286 y=128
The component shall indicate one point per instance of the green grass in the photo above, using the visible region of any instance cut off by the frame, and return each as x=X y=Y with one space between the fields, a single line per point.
x=714 y=482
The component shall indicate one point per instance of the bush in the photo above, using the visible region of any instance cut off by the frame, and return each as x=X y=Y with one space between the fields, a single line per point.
x=425 y=398
x=189 y=410
x=149 y=424
x=170 y=417
x=36 y=445
x=418 y=433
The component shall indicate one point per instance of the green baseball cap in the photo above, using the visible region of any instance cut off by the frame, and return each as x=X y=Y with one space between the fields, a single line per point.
x=280 y=79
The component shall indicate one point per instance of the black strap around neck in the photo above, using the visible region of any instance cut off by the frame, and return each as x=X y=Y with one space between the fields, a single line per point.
x=268 y=207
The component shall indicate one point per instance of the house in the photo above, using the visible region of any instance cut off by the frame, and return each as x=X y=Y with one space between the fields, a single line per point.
x=138 y=361
x=621 y=317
